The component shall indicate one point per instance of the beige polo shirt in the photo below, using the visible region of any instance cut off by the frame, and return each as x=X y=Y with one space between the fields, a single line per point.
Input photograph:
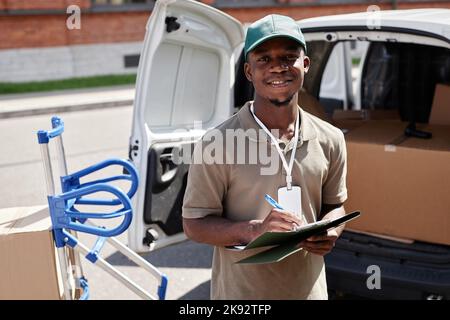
x=230 y=180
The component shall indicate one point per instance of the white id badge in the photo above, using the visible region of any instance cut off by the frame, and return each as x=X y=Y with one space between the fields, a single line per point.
x=291 y=200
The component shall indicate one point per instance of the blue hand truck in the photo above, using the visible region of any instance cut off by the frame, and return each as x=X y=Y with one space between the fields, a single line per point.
x=67 y=220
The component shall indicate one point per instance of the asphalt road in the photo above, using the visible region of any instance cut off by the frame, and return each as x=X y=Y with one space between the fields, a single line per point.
x=90 y=137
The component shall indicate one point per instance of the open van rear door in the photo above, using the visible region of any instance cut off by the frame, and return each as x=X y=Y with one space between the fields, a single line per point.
x=184 y=86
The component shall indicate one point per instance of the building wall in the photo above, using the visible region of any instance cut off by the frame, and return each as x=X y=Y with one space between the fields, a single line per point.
x=38 y=46
x=51 y=63
x=30 y=31
x=42 y=4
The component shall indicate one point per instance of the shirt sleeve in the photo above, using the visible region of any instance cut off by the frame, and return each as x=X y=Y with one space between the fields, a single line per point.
x=206 y=185
x=335 y=189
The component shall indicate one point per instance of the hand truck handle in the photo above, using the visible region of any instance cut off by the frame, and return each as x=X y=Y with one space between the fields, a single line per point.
x=44 y=136
x=66 y=218
x=72 y=181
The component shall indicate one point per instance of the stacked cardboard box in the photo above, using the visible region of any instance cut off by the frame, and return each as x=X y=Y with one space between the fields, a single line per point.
x=401 y=184
x=28 y=265
x=440 y=111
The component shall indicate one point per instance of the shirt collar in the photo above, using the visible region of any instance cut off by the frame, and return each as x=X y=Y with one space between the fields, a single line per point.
x=307 y=130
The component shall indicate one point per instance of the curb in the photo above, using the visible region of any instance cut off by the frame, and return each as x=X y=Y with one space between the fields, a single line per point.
x=62 y=109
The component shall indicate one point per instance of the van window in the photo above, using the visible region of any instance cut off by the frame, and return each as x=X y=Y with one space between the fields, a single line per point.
x=339 y=80
x=403 y=76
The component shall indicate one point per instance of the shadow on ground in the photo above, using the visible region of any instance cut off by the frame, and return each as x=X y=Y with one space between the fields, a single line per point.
x=187 y=254
x=201 y=292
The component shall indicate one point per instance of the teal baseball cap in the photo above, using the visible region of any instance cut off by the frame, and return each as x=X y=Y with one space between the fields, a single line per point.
x=272 y=26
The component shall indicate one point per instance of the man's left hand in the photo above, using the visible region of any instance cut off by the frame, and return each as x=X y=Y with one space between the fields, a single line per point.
x=320 y=244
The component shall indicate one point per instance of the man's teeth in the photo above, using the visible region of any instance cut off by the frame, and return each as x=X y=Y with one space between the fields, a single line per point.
x=277 y=82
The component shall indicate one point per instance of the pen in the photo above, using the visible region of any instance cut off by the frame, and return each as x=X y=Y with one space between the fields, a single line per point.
x=272 y=202
x=275 y=204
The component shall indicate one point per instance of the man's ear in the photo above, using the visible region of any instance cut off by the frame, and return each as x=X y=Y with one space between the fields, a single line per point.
x=248 y=71
x=306 y=63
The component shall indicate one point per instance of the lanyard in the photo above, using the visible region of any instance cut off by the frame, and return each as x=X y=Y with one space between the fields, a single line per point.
x=274 y=140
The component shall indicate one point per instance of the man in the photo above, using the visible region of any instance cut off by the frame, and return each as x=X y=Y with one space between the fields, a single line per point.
x=224 y=203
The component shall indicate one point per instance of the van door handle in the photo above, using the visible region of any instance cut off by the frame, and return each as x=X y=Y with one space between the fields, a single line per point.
x=168 y=168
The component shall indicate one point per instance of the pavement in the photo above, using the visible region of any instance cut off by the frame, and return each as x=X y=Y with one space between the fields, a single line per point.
x=28 y=104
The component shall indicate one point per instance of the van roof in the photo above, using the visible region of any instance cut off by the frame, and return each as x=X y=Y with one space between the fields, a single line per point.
x=436 y=21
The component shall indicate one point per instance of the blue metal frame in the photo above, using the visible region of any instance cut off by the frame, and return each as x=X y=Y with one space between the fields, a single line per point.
x=72 y=181
x=163 y=287
x=58 y=128
x=85 y=286
x=65 y=218
x=93 y=254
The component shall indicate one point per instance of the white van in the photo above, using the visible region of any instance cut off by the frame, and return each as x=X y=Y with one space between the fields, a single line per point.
x=190 y=79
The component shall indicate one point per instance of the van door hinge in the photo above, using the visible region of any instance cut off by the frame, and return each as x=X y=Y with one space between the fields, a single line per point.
x=133 y=150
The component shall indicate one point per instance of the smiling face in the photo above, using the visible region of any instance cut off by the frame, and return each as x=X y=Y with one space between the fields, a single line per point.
x=277 y=68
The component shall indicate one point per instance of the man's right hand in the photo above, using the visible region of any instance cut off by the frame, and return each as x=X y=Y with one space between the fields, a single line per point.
x=219 y=231
x=277 y=221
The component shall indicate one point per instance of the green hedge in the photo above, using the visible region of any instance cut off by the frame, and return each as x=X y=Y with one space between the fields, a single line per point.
x=73 y=83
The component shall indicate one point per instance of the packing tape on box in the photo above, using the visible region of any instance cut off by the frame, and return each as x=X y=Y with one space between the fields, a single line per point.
x=390 y=148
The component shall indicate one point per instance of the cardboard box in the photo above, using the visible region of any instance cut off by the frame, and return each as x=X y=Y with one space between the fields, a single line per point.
x=440 y=110
x=28 y=265
x=348 y=120
x=401 y=185
x=347 y=125
x=366 y=114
